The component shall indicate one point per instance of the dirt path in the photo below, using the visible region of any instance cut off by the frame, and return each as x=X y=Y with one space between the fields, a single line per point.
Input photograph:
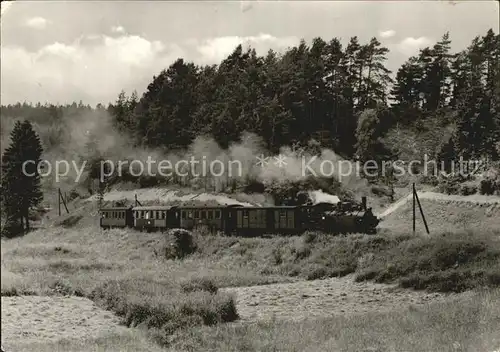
x=37 y=319
x=324 y=298
x=476 y=198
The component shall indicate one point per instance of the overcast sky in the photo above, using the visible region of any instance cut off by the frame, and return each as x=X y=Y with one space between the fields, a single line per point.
x=61 y=52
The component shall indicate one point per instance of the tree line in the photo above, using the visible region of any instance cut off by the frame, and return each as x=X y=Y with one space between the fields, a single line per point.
x=345 y=92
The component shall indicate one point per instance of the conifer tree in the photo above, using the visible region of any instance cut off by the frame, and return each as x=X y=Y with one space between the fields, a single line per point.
x=20 y=183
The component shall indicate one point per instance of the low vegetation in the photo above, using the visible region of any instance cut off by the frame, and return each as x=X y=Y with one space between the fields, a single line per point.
x=134 y=275
x=168 y=283
x=468 y=324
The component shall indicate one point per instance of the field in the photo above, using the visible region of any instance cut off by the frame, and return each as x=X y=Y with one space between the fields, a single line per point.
x=121 y=290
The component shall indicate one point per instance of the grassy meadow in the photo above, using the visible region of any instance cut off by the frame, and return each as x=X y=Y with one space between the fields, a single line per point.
x=175 y=303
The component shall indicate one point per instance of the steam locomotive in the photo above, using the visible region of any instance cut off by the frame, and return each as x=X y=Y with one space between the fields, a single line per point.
x=343 y=217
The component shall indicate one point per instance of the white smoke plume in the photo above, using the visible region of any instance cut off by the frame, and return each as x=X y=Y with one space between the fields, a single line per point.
x=77 y=138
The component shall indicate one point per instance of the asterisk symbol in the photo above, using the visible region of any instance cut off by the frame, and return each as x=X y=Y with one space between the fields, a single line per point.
x=280 y=160
x=262 y=160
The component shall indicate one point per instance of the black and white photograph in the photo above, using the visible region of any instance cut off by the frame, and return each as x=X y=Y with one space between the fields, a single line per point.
x=249 y=176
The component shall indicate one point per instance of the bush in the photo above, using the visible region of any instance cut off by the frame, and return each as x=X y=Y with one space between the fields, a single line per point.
x=182 y=246
x=309 y=237
x=467 y=190
x=146 y=181
x=70 y=221
x=449 y=185
x=199 y=284
x=487 y=187
x=73 y=195
x=12 y=229
x=162 y=308
x=450 y=262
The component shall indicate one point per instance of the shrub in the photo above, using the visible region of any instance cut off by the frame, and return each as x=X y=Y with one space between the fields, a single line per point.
x=309 y=237
x=73 y=195
x=449 y=185
x=182 y=246
x=199 y=284
x=70 y=221
x=302 y=252
x=11 y=229
x=467 y=190
x=277 y=256
x=162 y=308
x=487 y=187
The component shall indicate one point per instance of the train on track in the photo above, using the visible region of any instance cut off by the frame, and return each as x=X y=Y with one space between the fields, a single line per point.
x=343 y=217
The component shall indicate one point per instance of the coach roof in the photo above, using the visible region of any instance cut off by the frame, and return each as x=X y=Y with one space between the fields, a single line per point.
x=154 y=207
x=114 y=208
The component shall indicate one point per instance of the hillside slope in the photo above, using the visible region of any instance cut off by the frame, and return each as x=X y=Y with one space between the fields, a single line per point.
x=444 y=213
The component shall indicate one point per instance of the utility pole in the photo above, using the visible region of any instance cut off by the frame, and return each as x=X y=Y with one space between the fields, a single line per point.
x=415 y=197
x=61 y=197
x=413 y=193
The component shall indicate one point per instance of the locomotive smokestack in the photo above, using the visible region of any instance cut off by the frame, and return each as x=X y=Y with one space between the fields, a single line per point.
x=363 y=202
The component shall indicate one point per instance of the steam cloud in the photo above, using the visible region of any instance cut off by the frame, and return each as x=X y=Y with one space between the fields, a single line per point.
x=76 y=136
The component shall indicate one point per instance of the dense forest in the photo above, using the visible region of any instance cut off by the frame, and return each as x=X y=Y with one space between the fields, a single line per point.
x=438 y=102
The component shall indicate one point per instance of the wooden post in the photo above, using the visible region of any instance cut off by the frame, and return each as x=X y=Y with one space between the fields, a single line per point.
x=413 y=208
x=59 y=200
x=64 y=202
x=422 y=213
x=137 y=203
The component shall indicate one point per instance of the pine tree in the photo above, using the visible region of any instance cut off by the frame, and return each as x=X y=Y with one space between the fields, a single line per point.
x=20 y=178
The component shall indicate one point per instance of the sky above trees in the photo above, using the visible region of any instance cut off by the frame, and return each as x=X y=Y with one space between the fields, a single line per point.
x=61 y=52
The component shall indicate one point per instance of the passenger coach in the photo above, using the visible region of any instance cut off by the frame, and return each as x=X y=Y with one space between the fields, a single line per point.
x=116 y=217
x=156 y=217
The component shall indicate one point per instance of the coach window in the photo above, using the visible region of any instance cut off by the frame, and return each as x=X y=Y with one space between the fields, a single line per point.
x=245 y=213
x=283 y=213
x=190 y=214
x=183 y=214
x=203 y=214
x=210 y=214
x=217 y=214
x=196 y=214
